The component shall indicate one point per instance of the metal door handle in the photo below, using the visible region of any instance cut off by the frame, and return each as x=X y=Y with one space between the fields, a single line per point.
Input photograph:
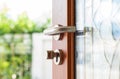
x=58 y=29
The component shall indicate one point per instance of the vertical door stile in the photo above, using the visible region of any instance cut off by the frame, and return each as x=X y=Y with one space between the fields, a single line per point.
x=63 y=13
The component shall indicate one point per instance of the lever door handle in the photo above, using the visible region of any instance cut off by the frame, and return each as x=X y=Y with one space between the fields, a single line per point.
x=58 y=29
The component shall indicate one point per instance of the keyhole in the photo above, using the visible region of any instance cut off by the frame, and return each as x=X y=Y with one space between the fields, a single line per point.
x=57 y=59
x=57 y=56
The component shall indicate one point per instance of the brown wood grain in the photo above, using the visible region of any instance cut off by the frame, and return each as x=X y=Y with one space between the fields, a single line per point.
x=63 y=13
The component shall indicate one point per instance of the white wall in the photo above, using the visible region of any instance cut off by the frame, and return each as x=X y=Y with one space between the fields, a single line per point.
x=41 y=67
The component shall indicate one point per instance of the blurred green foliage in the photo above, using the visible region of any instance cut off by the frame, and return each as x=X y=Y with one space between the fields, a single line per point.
x=15 y=56
x=5 y=23
x=23 y=24
x=19 y=64
x=15 y=60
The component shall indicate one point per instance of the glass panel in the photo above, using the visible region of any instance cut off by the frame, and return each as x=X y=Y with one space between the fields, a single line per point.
x=97 y=53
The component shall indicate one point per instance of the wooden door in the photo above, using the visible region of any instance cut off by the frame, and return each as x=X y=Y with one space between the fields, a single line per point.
x=63 y=13
x=98 y=52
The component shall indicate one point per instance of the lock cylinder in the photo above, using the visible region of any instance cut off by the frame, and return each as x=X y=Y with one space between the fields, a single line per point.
x=56 y=55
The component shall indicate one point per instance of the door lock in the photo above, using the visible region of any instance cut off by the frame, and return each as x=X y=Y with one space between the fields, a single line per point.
x=56 y=55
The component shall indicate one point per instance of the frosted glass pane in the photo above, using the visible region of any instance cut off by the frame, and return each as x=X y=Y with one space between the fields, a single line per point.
x=98 y=53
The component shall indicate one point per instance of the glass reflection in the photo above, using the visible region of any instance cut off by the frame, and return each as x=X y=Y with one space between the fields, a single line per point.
x=98 y=54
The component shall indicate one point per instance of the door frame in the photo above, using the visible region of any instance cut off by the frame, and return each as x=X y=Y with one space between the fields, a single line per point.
x=63 y=13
